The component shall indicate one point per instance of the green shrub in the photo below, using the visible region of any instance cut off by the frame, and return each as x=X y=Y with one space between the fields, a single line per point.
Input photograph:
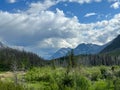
x=117 y=74
x=82 y=83
x=67 y=81
x=38 y=74
x=54 y=86
x=114 y=68
x=95 y=76
x=116 y=84
x=103 y=71
x=100 y=85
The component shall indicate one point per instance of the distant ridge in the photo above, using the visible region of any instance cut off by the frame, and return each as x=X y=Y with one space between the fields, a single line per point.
x=80 y=49
x=87 y=49
x=60 y=53
x=113 y=46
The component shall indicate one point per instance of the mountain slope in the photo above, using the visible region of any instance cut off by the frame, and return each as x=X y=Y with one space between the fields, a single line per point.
x=87 y=49
x=60 y=53
x=114 y=45
x=23 y=59
x=2 y=45
x=9 y=56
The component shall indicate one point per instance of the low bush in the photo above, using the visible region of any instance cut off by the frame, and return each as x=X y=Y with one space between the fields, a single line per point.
x=99 y=85
x=117 y=74
x=38 y=74
x=82 y=83
x=116 y=84
x=95 y=76
x=67 y=81
x=103 y=71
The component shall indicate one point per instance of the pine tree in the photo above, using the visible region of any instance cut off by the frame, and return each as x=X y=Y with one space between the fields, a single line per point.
x=53 y=64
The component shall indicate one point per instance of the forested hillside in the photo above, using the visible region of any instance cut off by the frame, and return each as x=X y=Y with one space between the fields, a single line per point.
x=22 y=59
x=114 y=45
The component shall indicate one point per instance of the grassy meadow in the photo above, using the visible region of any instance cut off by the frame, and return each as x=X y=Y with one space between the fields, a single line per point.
x=59 y=78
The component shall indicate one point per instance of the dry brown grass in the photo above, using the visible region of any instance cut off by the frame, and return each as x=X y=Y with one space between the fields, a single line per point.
x=10 y=75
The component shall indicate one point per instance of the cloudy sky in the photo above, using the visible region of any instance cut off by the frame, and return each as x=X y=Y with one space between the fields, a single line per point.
x=44 y=26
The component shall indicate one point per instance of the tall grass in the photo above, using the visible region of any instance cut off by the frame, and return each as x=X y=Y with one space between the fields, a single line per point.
x=10 y=86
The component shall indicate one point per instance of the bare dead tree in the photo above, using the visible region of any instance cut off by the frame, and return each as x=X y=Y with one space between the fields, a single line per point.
x=15 y=69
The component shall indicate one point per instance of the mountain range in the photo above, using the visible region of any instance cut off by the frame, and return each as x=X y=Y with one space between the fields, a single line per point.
x=27 y=59
x=80 y=49
x=111 y=47
x=90 y=48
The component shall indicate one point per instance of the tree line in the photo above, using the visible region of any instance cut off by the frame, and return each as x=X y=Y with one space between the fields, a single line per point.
x=87 y=60
x=25 y=60
x=22 y=59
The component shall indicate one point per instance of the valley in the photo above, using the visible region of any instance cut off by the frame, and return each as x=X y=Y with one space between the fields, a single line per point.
x=59 y=44
x=86 y=71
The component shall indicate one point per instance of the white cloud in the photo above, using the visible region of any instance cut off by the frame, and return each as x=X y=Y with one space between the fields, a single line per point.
x=44 y=31
x=65 y=5
x=115 y=5
x=12 y=1
x=90 y=14
x=15 y=27
x=40 y=6
x=113 y=0
x=84 y=1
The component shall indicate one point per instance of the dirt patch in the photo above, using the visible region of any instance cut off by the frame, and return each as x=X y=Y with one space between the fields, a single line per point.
x=10 y=75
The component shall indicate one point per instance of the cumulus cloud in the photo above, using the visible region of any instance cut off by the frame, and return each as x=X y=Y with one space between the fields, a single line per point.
x=115 y=5
x=47 y=24
x=40 y=6
x=42 y=31
x=90 y=14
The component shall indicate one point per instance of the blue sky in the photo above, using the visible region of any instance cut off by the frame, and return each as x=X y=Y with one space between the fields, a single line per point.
x=103 y=9
x=44 y=26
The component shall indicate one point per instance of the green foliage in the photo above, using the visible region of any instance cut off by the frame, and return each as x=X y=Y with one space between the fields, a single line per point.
x=103 y=72
x=117 y=74
x=100 y=85
x=38 y=74
x=95 y=76
x=82 y=83
x=83 y=78
x=116 y=84
x=66 y=82
x=57 y=79
x=10 y=86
